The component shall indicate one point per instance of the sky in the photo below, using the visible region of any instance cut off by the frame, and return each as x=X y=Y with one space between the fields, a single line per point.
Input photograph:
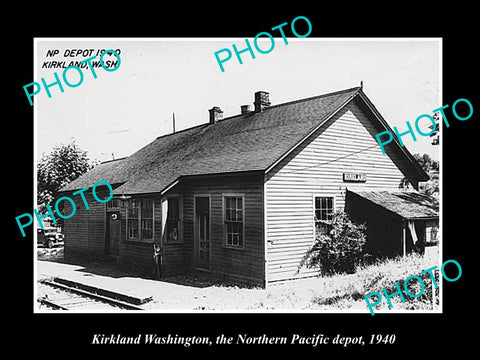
x=123 y=110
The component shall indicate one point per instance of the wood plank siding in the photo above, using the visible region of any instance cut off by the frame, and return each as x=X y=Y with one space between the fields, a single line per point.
x=345 y=144
x=85 y=230
x=245 y=264
x=140 y=252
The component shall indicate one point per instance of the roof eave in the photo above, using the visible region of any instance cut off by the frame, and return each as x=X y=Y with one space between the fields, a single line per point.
x=421 y=218
x=390 y=211
x=423 y=176
x=185 y=177
x=65 y=191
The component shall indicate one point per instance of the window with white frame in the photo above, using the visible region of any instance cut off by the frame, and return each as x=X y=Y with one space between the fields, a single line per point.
x=146 y=219
x=324 y=209
x=140 y=219
x=132 y=219
x=174 y=219
x=234 y=221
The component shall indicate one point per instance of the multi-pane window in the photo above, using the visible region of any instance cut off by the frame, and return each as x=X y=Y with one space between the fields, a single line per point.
x=323 y=211
x=173 y=219
x=147 y=219
x=132 y=218
x=234 y=221
x=323 y=208
x=140 y=219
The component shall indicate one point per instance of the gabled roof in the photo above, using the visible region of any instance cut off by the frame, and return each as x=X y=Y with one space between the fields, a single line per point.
x=409 y=205
x=243 y=143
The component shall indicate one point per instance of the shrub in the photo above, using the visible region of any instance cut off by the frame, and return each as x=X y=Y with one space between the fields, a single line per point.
x=338 y=245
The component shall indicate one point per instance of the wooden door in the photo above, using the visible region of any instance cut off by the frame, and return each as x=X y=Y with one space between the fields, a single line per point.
x=202 y=232
x=113 y=233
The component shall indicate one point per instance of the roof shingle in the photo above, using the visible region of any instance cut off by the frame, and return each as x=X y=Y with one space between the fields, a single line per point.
x=247 y=142
x=408 y=204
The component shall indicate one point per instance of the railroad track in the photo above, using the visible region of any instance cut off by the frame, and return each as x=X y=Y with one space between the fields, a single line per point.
x=70 y=298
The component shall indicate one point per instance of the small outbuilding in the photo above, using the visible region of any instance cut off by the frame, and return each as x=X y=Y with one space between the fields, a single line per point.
x=237 y=198
x=398 y=222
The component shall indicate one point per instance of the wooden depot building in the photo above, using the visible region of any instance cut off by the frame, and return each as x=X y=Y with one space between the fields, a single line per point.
x=237 y=197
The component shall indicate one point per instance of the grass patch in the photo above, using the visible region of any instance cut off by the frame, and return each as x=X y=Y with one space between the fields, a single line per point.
x=341 y=292
x=347 y=291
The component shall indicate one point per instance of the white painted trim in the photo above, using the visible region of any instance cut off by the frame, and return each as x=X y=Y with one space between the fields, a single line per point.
x=328 y=193
x=169 y=187
x=224 y=240
x=140 y=239
x=387 y=127
x=265 y=232
x=164 y=225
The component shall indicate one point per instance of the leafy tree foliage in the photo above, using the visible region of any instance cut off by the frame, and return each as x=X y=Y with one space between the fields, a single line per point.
x=54 y=170
x=426 y=162
x=431 y=167
x=435 y=135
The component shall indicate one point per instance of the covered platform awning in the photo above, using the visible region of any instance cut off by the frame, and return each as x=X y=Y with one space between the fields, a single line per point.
x=397 y=221
x=409 y=205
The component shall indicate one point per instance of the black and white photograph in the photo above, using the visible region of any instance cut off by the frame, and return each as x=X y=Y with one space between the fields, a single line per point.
x=240 y=199
x=256 y=188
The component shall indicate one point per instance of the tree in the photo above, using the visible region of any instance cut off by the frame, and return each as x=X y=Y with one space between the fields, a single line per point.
x=63 y=165
x=435 y=135
x=431 y=167
x=426 y=162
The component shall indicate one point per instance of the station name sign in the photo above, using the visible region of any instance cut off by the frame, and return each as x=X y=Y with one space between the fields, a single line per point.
x=354 y=177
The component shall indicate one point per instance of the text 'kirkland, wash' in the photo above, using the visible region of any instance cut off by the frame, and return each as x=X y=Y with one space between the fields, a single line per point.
x=37 y=87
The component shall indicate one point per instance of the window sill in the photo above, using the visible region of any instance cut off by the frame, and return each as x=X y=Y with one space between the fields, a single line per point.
x=233 y=247
x=135 y=241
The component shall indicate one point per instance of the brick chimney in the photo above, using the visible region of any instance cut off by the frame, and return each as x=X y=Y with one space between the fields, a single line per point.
x=245 y=109
x=262 y=101
x=215 y=114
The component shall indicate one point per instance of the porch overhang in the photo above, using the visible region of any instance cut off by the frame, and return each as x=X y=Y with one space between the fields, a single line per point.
x=409 y=205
